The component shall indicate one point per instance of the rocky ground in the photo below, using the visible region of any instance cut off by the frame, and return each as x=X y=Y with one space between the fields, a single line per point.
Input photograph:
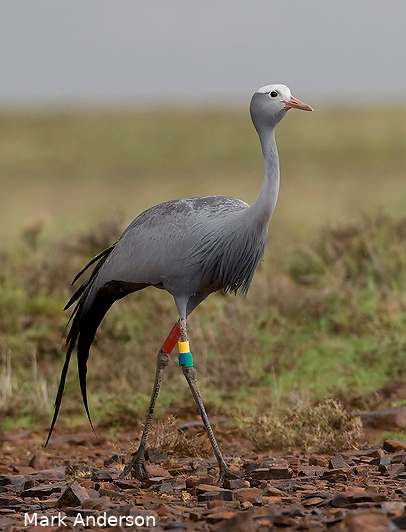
x=74 y=484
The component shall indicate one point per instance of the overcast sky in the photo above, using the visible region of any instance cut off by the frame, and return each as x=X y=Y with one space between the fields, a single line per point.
x=120 y=51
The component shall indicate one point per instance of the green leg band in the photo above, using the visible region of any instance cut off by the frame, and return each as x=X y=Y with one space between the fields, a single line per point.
x=186 y=359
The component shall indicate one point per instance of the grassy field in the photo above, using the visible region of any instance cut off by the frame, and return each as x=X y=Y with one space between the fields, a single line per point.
x=69 y=170
x=326 y=313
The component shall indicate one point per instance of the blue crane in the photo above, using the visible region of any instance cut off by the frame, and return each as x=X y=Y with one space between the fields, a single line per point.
x=190 y=248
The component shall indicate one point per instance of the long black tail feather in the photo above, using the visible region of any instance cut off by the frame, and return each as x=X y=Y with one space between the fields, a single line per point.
x=102 y=255
x=89 y=311
x=85 y=338
x=60 y=393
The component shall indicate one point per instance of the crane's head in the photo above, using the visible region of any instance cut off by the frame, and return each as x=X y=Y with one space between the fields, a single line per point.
x=270 y=104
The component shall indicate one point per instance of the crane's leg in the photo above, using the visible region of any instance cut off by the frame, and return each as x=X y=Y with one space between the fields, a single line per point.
x=137 y=463
x=190 y=374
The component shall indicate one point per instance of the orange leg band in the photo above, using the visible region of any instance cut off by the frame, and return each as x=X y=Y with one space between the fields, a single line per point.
x=171 y=340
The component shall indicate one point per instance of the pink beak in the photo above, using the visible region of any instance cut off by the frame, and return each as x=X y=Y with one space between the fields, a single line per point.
x=293 y=103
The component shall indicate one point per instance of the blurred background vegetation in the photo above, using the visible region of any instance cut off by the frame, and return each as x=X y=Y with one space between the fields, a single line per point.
x=326 y=313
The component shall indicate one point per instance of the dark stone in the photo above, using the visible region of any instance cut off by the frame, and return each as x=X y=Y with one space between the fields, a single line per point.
x=234 y=483
x=44 y=490
x=74 y=495
x=272 y=473
x=337 y=462
x=221 y=495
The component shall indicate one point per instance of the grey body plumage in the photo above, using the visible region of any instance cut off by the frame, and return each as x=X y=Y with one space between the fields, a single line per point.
x=188 y=247
x=169 y=245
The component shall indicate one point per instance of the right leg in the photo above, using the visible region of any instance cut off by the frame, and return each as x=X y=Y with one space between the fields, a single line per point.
x=191 y=376
x=137 y=463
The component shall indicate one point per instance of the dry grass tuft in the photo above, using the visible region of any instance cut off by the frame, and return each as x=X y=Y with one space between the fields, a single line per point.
x=165 y=437
x=325 y=426
x=371 y=252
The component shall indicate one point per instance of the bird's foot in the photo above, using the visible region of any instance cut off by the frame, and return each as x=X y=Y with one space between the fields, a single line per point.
x=227 y=474
x=139 y=471
x=137 y=466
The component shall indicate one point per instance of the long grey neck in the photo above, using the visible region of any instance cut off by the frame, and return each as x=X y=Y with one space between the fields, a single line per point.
x=264 y=206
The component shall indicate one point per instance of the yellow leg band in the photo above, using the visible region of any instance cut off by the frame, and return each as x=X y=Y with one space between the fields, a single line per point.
x=184 y=347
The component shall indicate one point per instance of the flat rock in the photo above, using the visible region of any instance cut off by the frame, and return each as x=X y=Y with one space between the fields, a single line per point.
x=317 y=461
x=9 y=501
x=219 y=516
x=44 y=490
x=344 y=499
x=398 y=457
x=393 y=446
x=272 y=491
x=158 y=471
x=155 y=456
x=252 y=466
x=396 y=470
x=218 y=495
x=151 y=481
x=314 y=501
x=271 y=473
x=46 y=474
x=253 y=495
x=337 y=462
x=204 y=488
x=368 y=521
x=381 y=461
x=165 y=487
x=235 y=483
x=312 y=470
x=125 y=484
x=335 y=475
x=13 y=482
x=24 y=470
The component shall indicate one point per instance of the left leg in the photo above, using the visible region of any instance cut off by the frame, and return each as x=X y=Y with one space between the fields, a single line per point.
x=137 y=463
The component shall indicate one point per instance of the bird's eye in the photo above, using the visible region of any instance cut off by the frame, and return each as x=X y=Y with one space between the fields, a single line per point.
x=274 y=94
